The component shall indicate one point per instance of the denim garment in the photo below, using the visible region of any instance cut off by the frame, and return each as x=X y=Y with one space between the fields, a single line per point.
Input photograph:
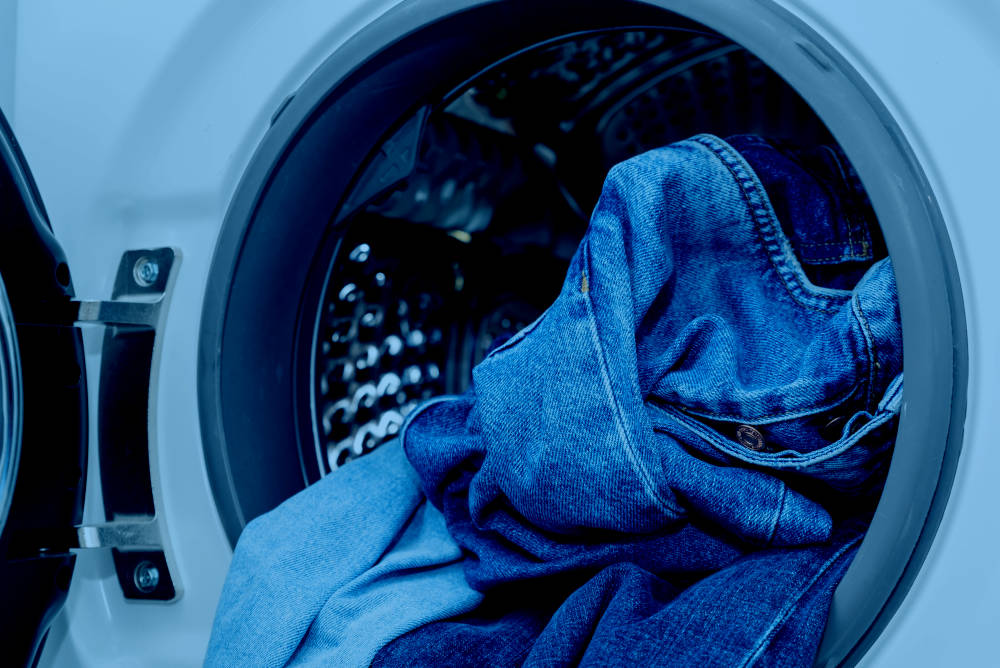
x=688 y=369
x=821 y=206
x=339 y=570
x=692 y=396
x=618 y=465
x=628 y=616
x=505 y=550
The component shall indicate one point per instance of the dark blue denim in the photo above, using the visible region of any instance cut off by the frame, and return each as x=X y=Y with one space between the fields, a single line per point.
x=650 y=473
x=821 y=206
x=691 y=397
x=626 y=616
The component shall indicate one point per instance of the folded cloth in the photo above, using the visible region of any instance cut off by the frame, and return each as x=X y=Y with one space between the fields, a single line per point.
x=821 y=206
x=339 y=570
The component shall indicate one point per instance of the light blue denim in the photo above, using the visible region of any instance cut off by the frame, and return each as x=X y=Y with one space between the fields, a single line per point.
x=339 y=570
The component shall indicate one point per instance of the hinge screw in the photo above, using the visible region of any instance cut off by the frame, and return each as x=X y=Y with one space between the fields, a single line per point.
x=146 y=271
x=146 y=576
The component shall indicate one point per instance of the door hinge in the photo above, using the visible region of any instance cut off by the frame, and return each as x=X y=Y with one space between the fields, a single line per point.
x=132 y=319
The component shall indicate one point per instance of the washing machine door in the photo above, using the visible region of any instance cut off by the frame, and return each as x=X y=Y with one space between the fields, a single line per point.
x=43 y=414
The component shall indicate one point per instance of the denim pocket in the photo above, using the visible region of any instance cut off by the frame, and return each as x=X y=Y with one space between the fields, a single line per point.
x=753 y=443
x=711 y=371
x=766 y=344
x=771 y=237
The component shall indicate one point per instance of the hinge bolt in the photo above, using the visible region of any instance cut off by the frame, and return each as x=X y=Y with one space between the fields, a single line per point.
x=146 y=576
x=146 y=271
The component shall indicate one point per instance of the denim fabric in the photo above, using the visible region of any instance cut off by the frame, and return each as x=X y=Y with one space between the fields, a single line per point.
x=691 y=398
x=627 y=616
x=505 y=549
x=648 y=473
x=821 y=206
x=687 y=361
x=339 y=570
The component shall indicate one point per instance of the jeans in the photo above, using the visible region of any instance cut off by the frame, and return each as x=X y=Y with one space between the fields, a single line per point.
x=671 y=466
x=696 y=394
x=688 y=370
x=339 y=570
x=627 y=616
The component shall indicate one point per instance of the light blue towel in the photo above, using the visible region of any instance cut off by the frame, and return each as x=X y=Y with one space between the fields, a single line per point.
x=339 y=570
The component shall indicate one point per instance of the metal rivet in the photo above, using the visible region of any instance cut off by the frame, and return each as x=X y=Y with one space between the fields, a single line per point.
x=750 y=438
x=145 y=271
x=146 y=576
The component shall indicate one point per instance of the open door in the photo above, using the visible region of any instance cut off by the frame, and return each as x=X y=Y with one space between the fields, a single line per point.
x=43 y=416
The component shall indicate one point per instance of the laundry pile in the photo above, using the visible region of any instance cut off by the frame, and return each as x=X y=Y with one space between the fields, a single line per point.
x=672 y=466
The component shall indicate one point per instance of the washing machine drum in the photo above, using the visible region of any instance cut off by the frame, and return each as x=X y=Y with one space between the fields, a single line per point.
x=421 y=194
x=43 y=412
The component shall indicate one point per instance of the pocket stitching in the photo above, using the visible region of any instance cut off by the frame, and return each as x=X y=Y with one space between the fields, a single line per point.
x=767 y=419
x=794 y=285
x=776 y=460
x=869 y=341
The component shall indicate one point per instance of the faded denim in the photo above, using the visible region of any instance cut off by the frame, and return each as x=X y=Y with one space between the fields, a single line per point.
x=694 y=395
x=339 y=570
x=649 y=473
x=685 y=315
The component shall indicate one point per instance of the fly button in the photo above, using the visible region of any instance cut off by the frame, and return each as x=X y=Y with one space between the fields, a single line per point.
x=750 y=438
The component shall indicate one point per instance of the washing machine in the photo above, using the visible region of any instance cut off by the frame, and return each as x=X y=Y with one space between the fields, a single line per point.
x=243 y=239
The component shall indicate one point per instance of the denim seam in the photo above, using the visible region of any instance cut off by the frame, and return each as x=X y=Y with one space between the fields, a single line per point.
x=869 y=348
x=892 y=392
x=774 y=417
x=777 y=514
x=633 y=456
x=419 y=409
x=850 y=209
x=838 y=259
x=772 y=249
x=792 y=605
x=777 y=460
x=847 y=214
x=766 y=223
x=817 y=244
